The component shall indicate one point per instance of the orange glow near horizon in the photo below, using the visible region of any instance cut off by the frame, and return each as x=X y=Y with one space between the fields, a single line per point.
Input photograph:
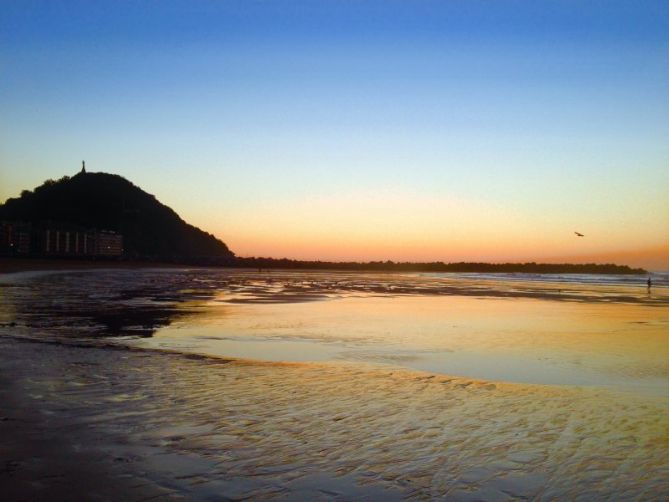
x=400 y=226
x=655 y=258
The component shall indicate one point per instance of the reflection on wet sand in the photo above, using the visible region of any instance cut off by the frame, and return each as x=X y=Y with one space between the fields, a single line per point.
x=477 y=327
x=521 y=340
x=93 y=304
x=165 y=423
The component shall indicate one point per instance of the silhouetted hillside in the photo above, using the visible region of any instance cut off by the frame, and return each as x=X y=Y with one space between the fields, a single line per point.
x=110 y=202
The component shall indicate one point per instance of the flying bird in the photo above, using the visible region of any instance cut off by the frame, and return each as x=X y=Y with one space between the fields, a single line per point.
x=579 y=234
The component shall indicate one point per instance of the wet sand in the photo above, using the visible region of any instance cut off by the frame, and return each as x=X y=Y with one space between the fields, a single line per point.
x=84 y=416
x=17 y=265
x=522 y=340
x=529 y=332
x=111 y=423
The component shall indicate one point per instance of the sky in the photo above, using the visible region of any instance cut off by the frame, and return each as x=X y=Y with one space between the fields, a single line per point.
x=358 y=130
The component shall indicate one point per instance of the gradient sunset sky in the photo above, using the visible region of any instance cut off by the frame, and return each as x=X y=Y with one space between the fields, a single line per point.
x=404 y=130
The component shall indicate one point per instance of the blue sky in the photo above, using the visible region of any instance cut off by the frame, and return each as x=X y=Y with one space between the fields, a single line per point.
x=244 y=115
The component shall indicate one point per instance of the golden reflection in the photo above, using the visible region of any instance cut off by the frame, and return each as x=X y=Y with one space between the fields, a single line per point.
x=527 y=340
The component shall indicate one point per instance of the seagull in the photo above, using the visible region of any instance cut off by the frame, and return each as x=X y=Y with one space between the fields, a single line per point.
x=579 y=234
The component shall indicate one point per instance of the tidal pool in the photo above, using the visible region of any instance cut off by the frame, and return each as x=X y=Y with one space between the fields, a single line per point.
x=509 y=339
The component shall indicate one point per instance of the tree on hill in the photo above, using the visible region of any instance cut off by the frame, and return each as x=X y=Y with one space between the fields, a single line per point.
x=110 y=202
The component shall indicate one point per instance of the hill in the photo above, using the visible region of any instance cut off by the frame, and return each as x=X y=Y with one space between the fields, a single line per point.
x=104 y=201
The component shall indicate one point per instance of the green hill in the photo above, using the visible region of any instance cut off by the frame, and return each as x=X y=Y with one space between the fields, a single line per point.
x=110 y=202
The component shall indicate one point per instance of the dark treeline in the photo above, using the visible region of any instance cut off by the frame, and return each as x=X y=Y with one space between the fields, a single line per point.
x=372 y=266
x=390 y=266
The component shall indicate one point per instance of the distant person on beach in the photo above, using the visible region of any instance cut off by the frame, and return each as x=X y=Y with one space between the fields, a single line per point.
x=650 y=283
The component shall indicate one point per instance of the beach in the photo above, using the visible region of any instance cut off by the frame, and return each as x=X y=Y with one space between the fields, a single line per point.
x=98 y=407
x=17 y=265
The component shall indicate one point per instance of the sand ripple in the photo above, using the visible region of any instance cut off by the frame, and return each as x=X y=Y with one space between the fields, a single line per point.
x=167 y=424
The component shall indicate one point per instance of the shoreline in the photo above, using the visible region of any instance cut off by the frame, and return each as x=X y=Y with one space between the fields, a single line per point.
x=141 y=423
x=396 y=370
x=13 y=264
x=400 y=372
x=18 y=265
x=373 y=368
x=374 y=320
